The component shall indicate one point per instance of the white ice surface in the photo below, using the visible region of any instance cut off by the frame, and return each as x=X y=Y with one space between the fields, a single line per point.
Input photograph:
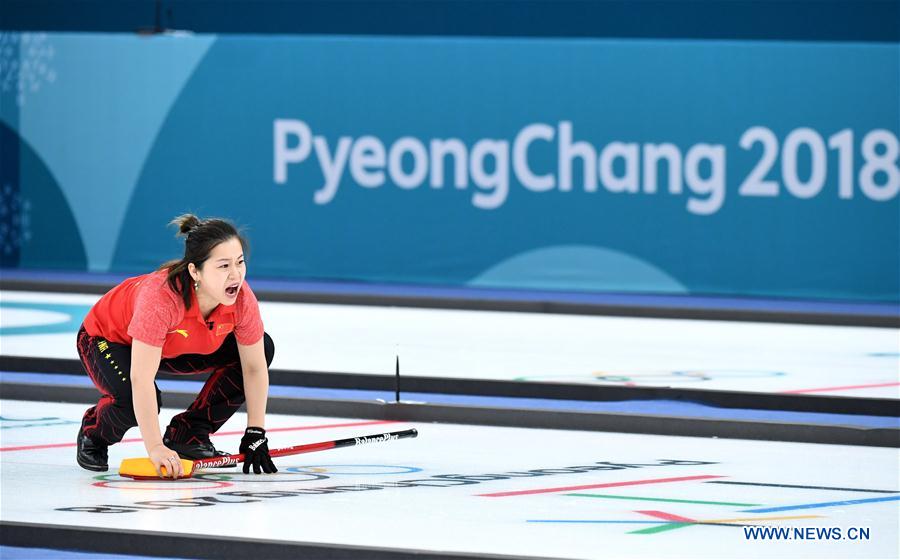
x=446 y=516
x=758 y=357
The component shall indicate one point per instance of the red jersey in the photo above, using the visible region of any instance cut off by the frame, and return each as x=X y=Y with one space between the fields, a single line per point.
x=147 y=309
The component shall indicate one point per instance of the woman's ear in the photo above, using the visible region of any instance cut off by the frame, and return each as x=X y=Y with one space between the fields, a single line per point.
x=195 y=274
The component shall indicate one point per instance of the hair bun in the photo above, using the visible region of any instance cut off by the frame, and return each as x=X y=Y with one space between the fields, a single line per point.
x=185 y=223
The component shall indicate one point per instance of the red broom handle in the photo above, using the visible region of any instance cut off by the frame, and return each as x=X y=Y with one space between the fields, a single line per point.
x=228 y=460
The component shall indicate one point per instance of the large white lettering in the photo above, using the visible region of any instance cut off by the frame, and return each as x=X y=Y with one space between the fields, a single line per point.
x=284 y=130
x=543 y=159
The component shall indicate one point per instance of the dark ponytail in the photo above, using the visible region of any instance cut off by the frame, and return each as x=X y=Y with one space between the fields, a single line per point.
x=200 y=238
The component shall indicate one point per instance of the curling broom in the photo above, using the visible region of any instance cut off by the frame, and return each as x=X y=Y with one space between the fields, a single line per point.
x=141 y=468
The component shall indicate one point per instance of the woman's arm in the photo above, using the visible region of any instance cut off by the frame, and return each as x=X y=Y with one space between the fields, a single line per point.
x=254 y=444
x=256 y=382
x=144 y=365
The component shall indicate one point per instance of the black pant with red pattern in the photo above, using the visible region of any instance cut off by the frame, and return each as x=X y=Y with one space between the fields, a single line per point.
x=109 y=365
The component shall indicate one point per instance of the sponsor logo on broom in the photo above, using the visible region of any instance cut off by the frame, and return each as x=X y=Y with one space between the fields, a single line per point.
x=223 y=462
x=376 y=439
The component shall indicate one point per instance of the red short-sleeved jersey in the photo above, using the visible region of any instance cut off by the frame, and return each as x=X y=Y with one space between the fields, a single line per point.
x=147 y=309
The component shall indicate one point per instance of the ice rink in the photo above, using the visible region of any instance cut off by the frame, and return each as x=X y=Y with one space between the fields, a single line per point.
x=540 y=347
x=623 y=275
x=462 y=491
x=485 y=490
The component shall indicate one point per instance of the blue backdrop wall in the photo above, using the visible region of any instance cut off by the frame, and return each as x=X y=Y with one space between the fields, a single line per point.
x=674 y=166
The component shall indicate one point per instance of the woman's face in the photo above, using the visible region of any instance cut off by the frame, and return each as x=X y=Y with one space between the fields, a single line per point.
x=222 y=274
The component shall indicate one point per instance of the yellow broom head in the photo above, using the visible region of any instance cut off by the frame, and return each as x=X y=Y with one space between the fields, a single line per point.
x=141 y=468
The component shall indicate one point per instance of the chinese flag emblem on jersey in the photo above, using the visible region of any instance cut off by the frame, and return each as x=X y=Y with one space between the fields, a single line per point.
x=224 y=328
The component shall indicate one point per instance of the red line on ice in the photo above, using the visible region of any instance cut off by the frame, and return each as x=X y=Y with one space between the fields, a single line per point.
x=604 y=485
x=667 y=516
x=270 y=430
x=844 y=388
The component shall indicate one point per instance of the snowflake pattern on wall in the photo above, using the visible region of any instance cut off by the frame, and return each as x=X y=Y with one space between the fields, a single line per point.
x=15 y=220
x=25 y=64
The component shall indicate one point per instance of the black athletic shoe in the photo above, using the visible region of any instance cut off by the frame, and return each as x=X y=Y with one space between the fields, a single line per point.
x=91 y=455
x=193 y=451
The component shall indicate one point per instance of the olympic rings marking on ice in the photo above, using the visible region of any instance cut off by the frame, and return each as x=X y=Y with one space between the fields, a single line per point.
x=184 y=484
x=686 y=376
x=212 y=477
x=659 y=376
x=398 y=469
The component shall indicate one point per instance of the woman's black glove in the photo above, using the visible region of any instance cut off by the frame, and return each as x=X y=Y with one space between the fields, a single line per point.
x=255 y=447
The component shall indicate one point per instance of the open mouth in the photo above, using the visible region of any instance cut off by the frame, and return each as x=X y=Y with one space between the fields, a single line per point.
x=232 y=290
